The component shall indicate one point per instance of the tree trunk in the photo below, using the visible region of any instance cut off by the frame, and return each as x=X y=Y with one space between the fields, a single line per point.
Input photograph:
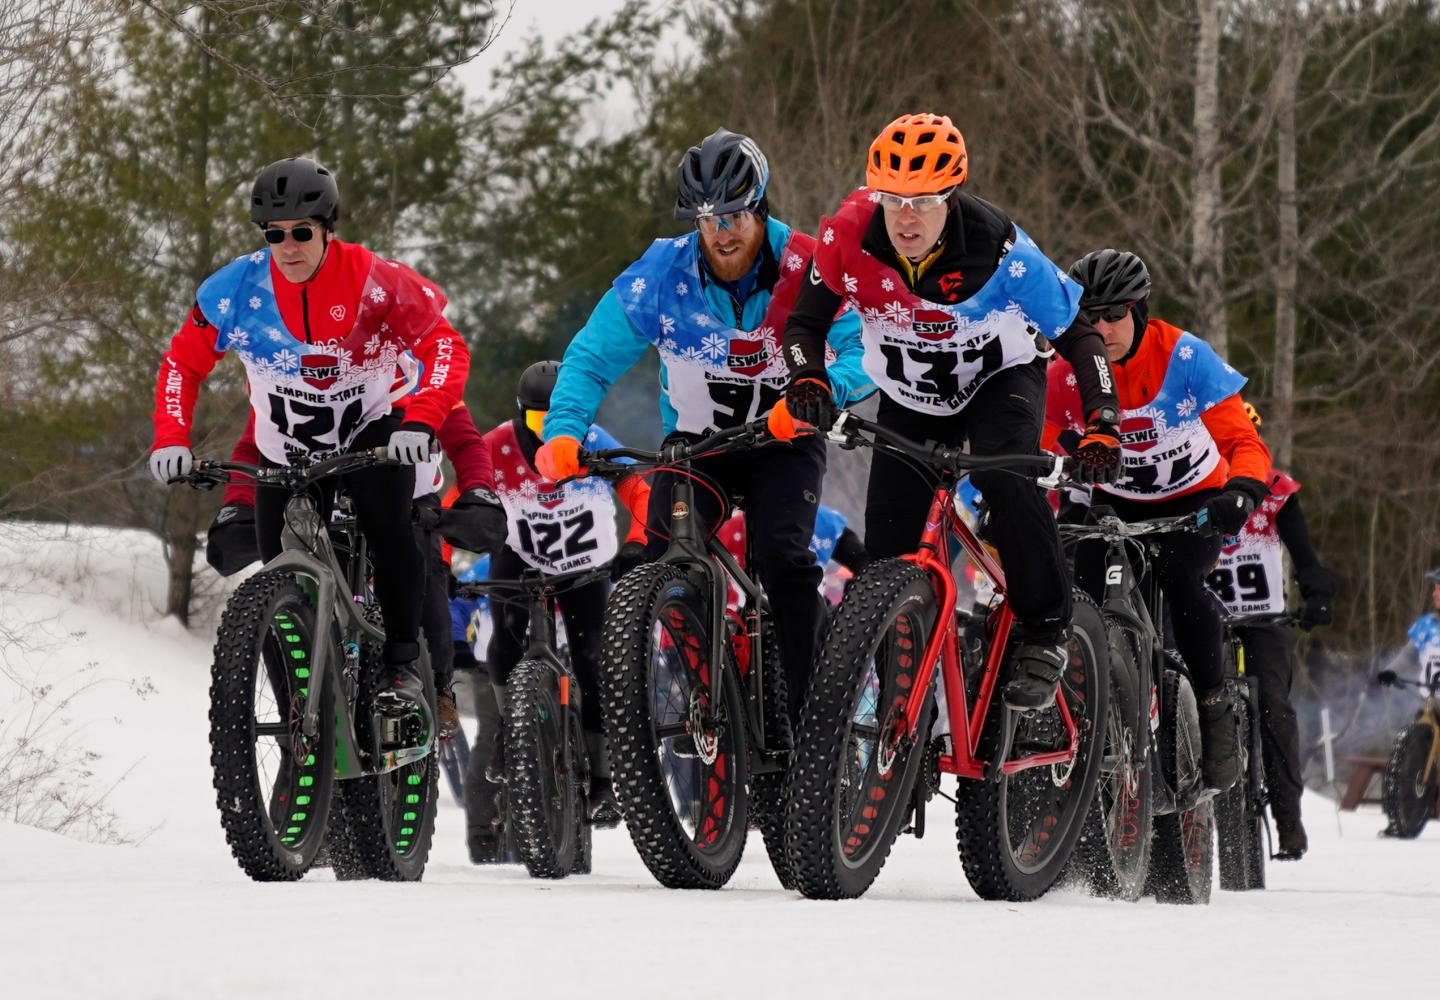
x=1206 y=237
x=1287 y=266
x=182 y=513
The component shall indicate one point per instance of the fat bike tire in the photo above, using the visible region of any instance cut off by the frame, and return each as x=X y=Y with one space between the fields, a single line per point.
x=1113 y=855
x=272 y=783
x=1239 y=824
x=678 y=763
x=1182 y=855
x=853 y=770
x=390 y=817
x=1016 y=835
x=546 y=794
x=1406 y=792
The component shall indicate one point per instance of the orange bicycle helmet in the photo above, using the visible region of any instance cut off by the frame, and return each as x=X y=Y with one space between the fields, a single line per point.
x=917 y=154
x=1253 y=414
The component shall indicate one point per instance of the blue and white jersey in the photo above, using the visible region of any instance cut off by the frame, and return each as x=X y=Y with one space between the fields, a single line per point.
x=717 y=369
x=1425 y=635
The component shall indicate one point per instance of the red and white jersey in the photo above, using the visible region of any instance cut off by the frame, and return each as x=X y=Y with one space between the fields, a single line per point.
x=320 y=356
x=933 y=357
x=555 y=530
x=1249 y=579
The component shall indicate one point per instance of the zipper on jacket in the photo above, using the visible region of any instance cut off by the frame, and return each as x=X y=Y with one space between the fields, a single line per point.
x=305 y=312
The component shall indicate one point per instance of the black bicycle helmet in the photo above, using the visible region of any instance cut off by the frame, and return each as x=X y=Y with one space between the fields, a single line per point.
x=725 y=173
x=295 y=188
x=1110 y=277
x=536 y=384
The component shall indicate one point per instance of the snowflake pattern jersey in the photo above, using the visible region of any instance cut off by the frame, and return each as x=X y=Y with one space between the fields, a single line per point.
x=313 y=398
x=554 y=530
x=1249 y=579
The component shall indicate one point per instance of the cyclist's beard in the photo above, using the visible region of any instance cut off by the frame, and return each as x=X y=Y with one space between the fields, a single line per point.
x=734 y=266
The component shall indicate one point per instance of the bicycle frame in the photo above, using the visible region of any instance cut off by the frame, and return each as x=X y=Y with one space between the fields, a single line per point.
x=708 y=559
x=967 y=725
x=307 y=551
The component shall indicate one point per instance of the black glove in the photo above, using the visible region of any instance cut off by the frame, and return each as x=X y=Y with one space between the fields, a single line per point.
x=230 y=544
x=1386 y=677
x=1097 y=454
x=809 y=400
x=1317 y=588
x=1228 y=512
x=631 y=554
x=476 y=522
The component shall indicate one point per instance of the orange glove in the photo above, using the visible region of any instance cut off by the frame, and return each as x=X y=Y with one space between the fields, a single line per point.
x=559 y=457
x=784 y=427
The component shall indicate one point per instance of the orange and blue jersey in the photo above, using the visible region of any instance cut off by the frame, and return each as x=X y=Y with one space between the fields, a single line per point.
x=1183 y=425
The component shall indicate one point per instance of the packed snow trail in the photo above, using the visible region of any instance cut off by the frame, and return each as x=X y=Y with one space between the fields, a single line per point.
x=175 y=917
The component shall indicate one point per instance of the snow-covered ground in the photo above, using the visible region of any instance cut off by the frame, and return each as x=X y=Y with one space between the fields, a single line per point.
x=172 y=916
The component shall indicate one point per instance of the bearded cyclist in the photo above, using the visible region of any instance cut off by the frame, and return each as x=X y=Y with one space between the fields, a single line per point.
x=320 y=325
x=960 y=310
x=1250 y=580
x=1187 y=446
x=712 y=303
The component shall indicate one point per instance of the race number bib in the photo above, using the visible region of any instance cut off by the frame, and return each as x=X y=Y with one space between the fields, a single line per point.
x=558 y=532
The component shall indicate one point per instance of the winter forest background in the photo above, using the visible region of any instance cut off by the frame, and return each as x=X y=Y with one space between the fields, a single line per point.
x=1277 y=163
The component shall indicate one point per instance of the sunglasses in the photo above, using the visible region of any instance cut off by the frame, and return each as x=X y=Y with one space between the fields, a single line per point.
x=711 y=224
x=302 y=234
x=1110 y=314
x=921 y=204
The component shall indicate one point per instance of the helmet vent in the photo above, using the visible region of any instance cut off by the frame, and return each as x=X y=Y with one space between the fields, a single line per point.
x=942 y=161
x=924 y=137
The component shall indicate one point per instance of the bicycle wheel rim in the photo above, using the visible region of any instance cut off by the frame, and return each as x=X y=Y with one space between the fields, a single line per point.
x=1041 y=804
x=287 y=763
x=873 y=771
x=701 y=787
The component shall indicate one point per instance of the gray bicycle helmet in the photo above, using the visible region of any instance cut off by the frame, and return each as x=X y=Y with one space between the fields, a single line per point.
x=1433 y=576
x=725 y=173
x=295 y=188
x=1110 y=277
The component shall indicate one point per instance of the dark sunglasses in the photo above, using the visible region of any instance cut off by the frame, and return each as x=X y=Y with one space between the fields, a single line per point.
x=1110 y=314
x=302 y=234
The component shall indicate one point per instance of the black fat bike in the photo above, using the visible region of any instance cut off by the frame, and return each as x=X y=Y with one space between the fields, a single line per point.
x=301 y=755
x=694 y=694
x=1152 y=827
x=547 y=769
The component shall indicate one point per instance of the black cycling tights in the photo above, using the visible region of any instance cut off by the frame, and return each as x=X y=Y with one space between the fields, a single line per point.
x=382 y=499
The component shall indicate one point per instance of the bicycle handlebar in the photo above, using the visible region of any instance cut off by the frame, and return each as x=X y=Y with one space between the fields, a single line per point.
x=1111 y=527
x=209 y=473
x=605 y=462
x=1049 y=471
x=1266 y=618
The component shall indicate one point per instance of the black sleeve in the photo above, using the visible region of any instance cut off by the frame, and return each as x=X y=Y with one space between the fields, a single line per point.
x=809 y=323
x=850 y=552
x=1313 y=577
x=1084 y=348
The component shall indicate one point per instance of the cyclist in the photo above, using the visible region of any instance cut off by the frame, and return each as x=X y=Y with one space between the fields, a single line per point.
x=1187 y=444
x=960 y=309
x=712 y=303
x=1422 y=656
x=1248 y=580
x=558 y=530
x=320 y=324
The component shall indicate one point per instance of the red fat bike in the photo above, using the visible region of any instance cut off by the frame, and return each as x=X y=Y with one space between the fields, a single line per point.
x=865 y=760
